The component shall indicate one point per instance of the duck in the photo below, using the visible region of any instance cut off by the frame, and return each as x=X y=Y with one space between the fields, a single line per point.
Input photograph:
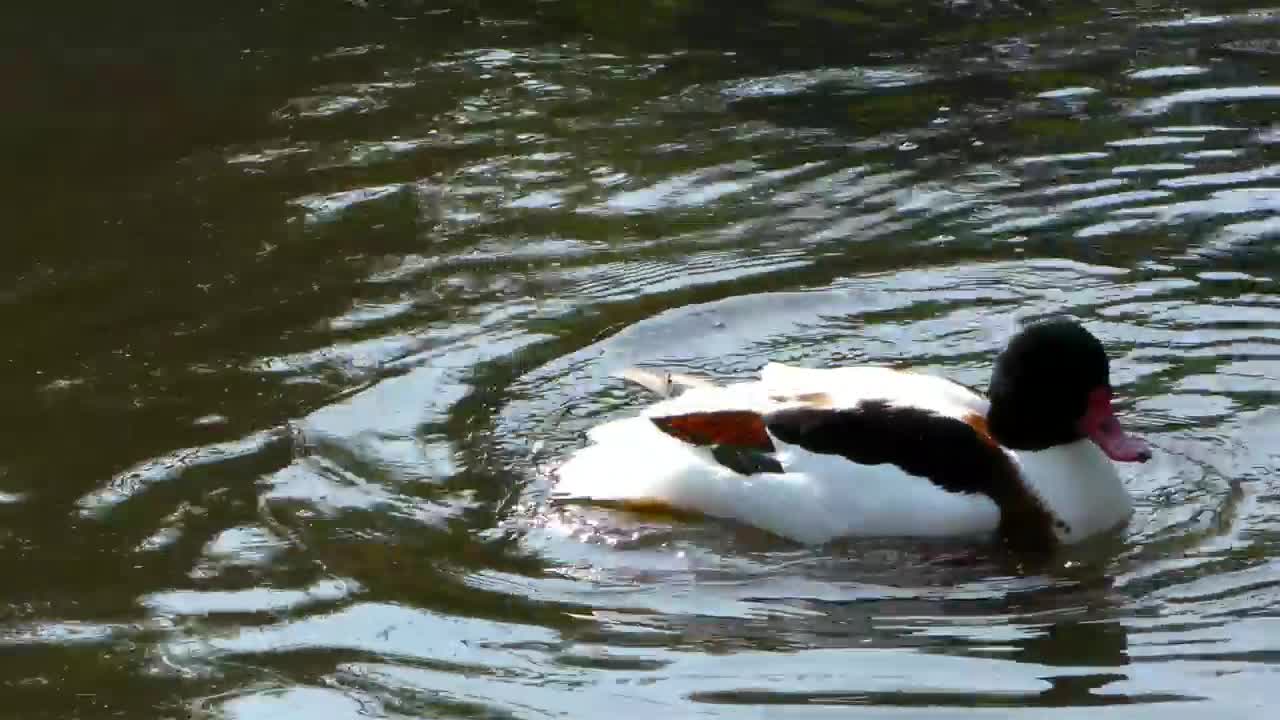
x=814 y=455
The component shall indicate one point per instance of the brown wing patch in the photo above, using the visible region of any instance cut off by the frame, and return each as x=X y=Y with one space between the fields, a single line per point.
x=979 y=425
x=739 y=428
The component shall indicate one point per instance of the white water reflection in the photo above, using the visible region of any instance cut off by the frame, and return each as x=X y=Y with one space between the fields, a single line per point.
x=1202 y=96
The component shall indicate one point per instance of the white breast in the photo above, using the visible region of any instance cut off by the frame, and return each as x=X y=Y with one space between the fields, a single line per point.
x=1078 y=485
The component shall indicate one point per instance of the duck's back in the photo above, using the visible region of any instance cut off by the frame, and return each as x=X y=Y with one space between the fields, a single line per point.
x=850 y=386
x=771 y=475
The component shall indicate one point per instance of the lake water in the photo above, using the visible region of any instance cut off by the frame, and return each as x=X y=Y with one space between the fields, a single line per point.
x=303 y=300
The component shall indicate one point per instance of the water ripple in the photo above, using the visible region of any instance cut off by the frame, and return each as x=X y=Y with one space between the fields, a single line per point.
x=321 y=337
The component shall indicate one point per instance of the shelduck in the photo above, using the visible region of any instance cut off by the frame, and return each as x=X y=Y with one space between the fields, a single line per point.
x=818 y=454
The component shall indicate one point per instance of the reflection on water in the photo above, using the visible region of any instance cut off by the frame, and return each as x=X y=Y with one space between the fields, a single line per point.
x=301 y=316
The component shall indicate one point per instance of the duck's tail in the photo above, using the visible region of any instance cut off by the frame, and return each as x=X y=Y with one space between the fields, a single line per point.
x=664 y=384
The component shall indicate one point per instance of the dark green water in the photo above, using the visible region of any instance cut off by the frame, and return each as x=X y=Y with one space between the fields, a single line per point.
x=303 y=299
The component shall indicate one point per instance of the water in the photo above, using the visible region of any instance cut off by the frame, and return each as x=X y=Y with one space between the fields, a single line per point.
x=303 y=300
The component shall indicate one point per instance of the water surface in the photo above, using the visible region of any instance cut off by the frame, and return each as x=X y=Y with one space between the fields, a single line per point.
x=304 y=300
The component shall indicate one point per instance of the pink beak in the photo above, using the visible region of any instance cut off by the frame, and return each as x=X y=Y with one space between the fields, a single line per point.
x=1100 y=425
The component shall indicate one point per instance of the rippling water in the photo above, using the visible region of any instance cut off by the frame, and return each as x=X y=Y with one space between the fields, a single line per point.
x=304 y=300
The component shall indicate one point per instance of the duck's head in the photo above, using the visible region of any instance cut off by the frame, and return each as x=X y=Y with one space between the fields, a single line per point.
x=1052 y=386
